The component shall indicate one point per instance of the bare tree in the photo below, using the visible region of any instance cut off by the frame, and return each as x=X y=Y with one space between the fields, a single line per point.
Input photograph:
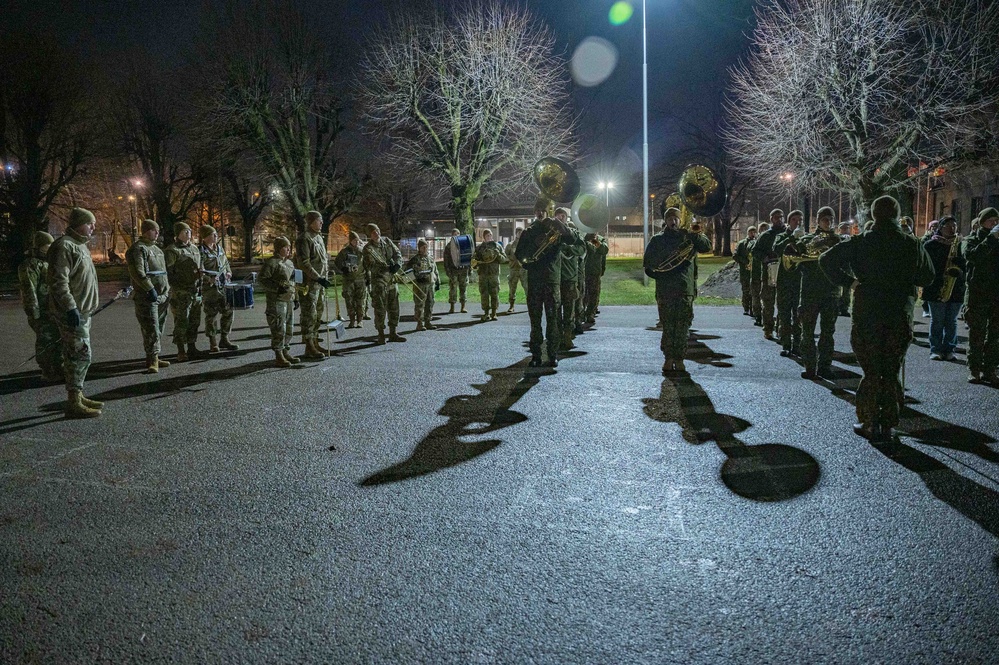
x=473 y=98
x=845 y=95
x=45 y=133
x=246 y=190
x=270 y=96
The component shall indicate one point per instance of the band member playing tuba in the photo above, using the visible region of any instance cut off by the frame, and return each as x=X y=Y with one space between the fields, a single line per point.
x=382 y=260
x=669 y=259
x=820 y=297
x=888 y=265
x=946 y=294
x=486 y=260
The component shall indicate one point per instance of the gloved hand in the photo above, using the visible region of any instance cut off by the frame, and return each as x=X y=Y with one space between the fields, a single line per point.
x=73 y=318
x=152 y=295
x=325 y=283
x=394 y=268
x=296 y=305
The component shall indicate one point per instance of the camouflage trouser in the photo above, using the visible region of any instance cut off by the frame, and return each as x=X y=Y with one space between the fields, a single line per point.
x=281 y=319
x=423 y=301
x=844 y=300
x=756 y=289
x=152 y=320
x=983 y=335
x=515 y=277
x=577 y=312
x=75 y=352
x=48 y=349
x=355 y=294
x=880 y=345
x=313 y=303
x=489 y=292
x=592 y=298
x=788 y=325
x=217 y=308
x=385 y=299
x=543 y=298
x=768 y=296
x=458 y=285
x=676 y=315
x=823 y=312
x=186 y=308
x=747 y=293
x=569 y=295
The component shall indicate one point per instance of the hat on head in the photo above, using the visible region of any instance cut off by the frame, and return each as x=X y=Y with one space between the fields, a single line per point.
x=206 y=230
x=795 y=212
x=180 y=226
x=825 y=210
x=353 y=235
x=372 y=227
x=81 y=216
x=776 y=211
x=421 y=243
x=149 y=225
x=987 y=214
x=671 y=212
x=751 y=228
x=280 y=243
x=885 y=209
x=40 y=239
x=568 y=213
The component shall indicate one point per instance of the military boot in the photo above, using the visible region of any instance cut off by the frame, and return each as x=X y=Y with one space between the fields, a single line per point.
x=181 y=354
x=324 y=352
x=678 y=366
x=280 y=360
x=193 y=351
x=419 y=326
x=91 y=403
x=162 y=363
x=213 y=344
x=366 y=318
x=290 y=358
x=493 y=317
x=463 y=310
x=152 y=365
x=451 y=311
x=429 y=326
x=75 y=408
x=381 y=337
x=511 y=309
x=535 y=361
x=395 y=337
x=227 y=345
x=311 y=352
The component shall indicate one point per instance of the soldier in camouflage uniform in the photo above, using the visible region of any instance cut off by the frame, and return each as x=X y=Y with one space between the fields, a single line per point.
x=676 y=288
x=763 y=256
x=31 y=275
x=569 y=294
x=214 y=260
x=276 y=280
x=981 y=251
x=593 y=270
x=755 y=278
x=73 y=298
x=183 y=264
x=845 y=233
x=457 y=274
x=888 y=265
x=517 y=272
x=382 y=260
x=488 y=256
x=427 y=280
x=355 y=291
x=544 y=279
x=742 y=259
x=147 y=270
x=819 y=301
x=788 y=289
x=311 y=258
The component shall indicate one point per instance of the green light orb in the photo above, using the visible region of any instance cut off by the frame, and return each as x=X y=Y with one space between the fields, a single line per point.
x=621 y=12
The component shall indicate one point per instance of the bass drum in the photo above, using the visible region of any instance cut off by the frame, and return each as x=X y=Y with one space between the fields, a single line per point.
x=462 y=249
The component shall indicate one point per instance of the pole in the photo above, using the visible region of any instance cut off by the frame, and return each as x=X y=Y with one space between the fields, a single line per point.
x=645 y=136
x=607 y=201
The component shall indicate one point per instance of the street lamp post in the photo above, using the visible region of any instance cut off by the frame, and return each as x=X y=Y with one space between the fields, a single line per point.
x=607 y=186
x=645 y=138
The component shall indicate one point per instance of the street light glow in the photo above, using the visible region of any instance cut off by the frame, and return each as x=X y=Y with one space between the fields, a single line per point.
x=621 y=13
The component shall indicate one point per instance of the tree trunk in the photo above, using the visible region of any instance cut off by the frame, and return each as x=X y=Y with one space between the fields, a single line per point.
x=248 y=241
x=463 y=199
x=726 y=238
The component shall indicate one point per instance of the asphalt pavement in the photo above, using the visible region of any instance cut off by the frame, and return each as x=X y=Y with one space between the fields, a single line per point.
x=440 y=501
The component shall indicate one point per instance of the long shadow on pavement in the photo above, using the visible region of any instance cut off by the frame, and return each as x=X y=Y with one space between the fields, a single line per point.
x=468 y=415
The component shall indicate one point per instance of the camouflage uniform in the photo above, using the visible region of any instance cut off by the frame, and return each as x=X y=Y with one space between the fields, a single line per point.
x=787 y=296
x=213 y=287
x=311 y=258
x=147 y=270
x=763 y=255
x=981 y=252
x=488 y=257
x=31 y=276
x=72 y=282
x=742 y=259
x=379 y=258
x=888 y=265
x=675 y=290
x=593 y=269
x=183 y=261
x=355 y=291
x=457 y=277
x=544 y=279
x=818 y=304
x=427 y=281
x=276 y=281
x=517 y=273
x=571 y=253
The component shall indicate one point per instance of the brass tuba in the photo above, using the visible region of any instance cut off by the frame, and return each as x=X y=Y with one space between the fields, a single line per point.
x=699 y=192
x=558 y=183
x=811 y=251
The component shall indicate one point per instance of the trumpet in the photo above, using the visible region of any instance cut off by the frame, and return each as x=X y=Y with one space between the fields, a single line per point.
x=812 y=250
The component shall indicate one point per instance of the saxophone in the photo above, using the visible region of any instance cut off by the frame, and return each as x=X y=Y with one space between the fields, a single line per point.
x=949 y=280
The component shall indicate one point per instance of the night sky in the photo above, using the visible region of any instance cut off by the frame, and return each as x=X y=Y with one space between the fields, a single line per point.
x=691 y=43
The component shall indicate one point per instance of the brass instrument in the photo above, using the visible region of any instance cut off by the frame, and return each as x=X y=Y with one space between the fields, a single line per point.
x=489 y=254
x=949 y=281
x=813 y=249
x=590 y=213
x=557 y=182
x=699 y=192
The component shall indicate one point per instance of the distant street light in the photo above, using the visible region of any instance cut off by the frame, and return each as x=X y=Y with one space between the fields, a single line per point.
x=788 y=177
x=607 y=186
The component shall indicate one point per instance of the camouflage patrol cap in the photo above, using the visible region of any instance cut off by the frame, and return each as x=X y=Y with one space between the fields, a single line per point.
x=280 y=243
x=148 y=225
x=776 y=211
x=671 y=212
x=372 y=228
x=885 y=209
x=40 y=239
x=795 y=212
x=825 y=211
x=752 y=229
x=987 y=214
x=81 y=216
x=353 y=235
x=206 y=230
x=568 y=213
x=180 y=226
x=421 y=243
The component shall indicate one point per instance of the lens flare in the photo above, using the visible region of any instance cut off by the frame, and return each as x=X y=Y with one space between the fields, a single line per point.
x=621 y=13
x=593 y=61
